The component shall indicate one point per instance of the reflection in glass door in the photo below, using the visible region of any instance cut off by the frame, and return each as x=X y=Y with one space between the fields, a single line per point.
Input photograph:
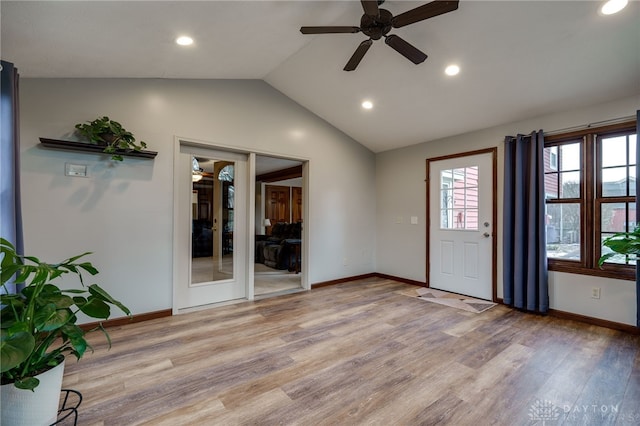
x=212 y=221
x=210 y=227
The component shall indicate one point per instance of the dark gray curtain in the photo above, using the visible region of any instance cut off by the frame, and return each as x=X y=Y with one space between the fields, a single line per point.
x=525 y=257
x=10 y=213
x=637 y=216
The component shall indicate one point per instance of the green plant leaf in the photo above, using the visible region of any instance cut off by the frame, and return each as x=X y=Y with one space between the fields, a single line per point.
x=29 y=383
x=100 y=293
x=605 y=257
x=88 y=267
x=95 y=308
x=19 y=327
x=74 y=258
x=8 y=317
x=14 y=300
x=8 y=272
x=15 y=349
x=106 y=335
x=626 y=243
x=48 y=318
x=59 y=300
x=76 y=336
x=24 y=272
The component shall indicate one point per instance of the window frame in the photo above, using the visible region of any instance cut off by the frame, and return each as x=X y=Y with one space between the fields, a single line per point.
x=590 y=201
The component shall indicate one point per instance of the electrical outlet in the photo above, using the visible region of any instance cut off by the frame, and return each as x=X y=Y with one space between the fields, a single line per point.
x=595 y=293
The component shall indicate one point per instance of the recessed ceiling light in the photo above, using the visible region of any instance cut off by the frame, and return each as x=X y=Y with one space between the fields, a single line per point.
x=184 y=41
x=452 y=70
x=613 y=6
x=367 y=104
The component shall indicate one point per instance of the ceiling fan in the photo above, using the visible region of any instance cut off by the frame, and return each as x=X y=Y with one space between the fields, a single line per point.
x=377 y=22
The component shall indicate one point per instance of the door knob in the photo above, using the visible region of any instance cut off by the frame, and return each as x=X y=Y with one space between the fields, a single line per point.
x=486 y=235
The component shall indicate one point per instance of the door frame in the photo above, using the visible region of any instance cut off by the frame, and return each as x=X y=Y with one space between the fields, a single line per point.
x=494 y=206
x=250 y=223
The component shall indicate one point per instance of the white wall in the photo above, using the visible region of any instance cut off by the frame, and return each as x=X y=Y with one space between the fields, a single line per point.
x=123 y=211
x=401 y=192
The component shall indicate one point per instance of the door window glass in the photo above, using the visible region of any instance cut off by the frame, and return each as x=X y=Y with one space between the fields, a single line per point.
x=212 y=220
x=459 y=198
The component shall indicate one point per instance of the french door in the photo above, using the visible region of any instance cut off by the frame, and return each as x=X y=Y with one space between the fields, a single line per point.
x=210 y=227
x=461 y=246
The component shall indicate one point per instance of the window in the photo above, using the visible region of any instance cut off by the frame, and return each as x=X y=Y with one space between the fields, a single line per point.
x=590 y=189
x=553 y=158
x=459 y=198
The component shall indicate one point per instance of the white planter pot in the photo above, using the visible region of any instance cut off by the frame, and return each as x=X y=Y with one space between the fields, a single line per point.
x=39 y=408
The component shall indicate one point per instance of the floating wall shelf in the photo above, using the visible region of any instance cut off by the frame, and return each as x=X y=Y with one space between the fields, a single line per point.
x=86 y=147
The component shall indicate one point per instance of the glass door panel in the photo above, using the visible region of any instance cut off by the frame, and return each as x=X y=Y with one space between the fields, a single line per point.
x=212 y=220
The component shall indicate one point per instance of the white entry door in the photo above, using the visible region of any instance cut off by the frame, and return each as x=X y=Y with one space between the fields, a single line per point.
x=461 y=229
x=210 y=229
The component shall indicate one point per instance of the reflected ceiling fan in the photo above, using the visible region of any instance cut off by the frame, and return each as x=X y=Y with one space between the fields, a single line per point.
x=377 y=22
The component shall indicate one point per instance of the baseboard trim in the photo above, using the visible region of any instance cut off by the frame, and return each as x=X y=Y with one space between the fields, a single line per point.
x=402 y=280
x=594 y=321
x=369 y=275
x=343 y=280
x=116 y=322
x=589 y=320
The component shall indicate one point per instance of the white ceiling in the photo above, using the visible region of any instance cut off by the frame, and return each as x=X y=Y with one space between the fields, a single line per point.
x=519 y=59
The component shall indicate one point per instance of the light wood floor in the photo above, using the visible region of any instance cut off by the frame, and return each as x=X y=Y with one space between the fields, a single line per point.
x=358 y=353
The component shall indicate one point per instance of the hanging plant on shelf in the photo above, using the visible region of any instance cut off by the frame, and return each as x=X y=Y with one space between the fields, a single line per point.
x=109 y=133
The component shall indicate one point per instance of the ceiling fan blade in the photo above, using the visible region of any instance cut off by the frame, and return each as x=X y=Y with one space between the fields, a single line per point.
x=370 y=8
x=329 y=30
x=405 y=49
x=423 y=12
x=358 y=55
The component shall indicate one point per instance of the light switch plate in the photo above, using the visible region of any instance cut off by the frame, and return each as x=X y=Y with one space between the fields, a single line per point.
x=414 y=220
x=75 y=170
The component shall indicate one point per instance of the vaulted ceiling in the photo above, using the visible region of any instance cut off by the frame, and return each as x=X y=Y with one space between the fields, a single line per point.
x=518 y=59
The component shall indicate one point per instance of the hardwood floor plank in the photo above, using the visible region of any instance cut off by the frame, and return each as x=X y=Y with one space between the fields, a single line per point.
x=438 y=412
x=604 y=392
x=567 y=381
x=487 y=349
x=630 y=408
x=495 y=370
x=355 y=353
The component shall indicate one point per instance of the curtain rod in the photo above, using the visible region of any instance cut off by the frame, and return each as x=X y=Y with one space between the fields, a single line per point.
x=589 y=125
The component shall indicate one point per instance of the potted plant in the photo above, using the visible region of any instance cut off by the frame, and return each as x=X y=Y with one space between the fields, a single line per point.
x=38 y=329
x=627 y=243
x=111 y=134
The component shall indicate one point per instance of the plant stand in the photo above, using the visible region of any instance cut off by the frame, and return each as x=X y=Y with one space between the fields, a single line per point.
x=69 y=408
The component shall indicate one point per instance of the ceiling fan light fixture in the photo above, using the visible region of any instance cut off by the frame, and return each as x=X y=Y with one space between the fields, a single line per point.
x=452 y=70
x=613 y=6
x=184 y=41
x=367 y=104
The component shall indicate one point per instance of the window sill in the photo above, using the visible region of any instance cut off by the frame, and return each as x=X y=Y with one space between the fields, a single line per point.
x=628 y=273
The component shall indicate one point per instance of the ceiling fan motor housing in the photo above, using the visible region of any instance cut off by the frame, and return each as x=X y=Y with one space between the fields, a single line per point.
x=376 y=27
